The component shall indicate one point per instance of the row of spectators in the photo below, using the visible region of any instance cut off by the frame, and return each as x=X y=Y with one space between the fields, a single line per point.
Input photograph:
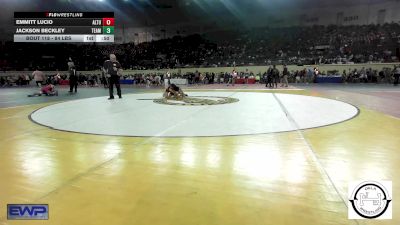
x=261 y=46
x=306 y=75
x=312 y=45
x=55 y=79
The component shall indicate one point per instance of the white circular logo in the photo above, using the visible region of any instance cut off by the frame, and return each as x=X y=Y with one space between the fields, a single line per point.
x=197 y=100
x=370 y=199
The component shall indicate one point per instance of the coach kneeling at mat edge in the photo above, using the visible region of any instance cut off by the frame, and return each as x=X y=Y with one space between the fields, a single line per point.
x=112 y=69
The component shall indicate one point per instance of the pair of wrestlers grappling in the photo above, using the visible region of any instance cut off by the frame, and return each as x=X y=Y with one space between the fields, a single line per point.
x=172 y=92
x=48 y=90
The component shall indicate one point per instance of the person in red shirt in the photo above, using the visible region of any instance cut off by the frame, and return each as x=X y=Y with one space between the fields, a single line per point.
x=48 y=90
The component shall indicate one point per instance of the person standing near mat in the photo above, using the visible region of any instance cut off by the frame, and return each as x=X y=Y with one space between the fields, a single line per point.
x=233 y=76
x=112 y=69
x=73 y=77
x=104 y=79
x=38 y=76
x=167 y=80
x=269 y=78
x=396 y=74
x=285 y=75
x=275 y=76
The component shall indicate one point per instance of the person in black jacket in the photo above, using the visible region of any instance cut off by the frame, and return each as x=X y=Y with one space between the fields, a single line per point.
x=285 y=75
x=396 y=74
x=269 y=78
x=112 y=70
x=73 y=77
x=275 y=76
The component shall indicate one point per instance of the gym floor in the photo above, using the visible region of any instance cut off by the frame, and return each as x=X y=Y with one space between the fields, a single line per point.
x=291 y=177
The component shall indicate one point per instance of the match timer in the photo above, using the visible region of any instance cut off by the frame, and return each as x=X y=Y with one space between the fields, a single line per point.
x=64 y=26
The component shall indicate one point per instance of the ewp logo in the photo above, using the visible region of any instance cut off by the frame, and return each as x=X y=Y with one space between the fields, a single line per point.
x=27 y=212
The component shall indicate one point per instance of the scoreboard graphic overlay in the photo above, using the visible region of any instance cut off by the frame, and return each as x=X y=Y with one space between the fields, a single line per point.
x=64 y=26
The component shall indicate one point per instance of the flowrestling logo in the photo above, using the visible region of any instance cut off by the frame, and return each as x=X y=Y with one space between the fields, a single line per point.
x=370 y=200
x=27 y=212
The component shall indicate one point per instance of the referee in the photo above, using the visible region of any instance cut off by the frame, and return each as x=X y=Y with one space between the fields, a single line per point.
x=73 y=77
x=112 y=70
